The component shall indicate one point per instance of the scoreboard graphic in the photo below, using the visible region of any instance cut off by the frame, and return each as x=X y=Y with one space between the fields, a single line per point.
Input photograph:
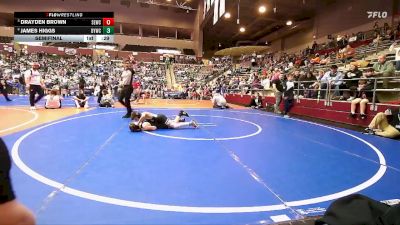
x=64 y=27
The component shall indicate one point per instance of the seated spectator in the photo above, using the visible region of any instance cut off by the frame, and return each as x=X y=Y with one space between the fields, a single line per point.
x=349 y=52
x=363 y=96
x=377 y=39
x=360 y=63
x=385 y=124
x=53 y=100
x=396 y=48
x=316 y=59
x=384 y=68
x=81 y=100
x=314 y=87
x=256 y=101
x=353 y=74
x=306 y=80
x=219 y=101
x=266 y=82
x=332 y=79
x=325 y=60
x=288 y=95
x=106 y=99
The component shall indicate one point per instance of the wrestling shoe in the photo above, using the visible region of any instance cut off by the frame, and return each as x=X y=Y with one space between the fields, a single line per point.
x=183 y=113
x=194 y=124
x=368 y=131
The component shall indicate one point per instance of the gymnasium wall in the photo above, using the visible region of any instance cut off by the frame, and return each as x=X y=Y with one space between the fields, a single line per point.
x=345 y=17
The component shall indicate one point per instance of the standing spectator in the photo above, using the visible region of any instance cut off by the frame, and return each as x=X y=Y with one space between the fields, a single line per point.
x=22 y=85
x=277 y=86
x=3 y=89
x=288 y=95
x=35 y=83
x=82 y=82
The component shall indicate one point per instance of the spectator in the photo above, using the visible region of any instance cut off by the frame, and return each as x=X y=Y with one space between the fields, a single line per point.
x=353 y=75
x=316 y=59
x=3 y=89
x=384 y=68
x=332 y=79
x=395 y=47
x=53 y=101
x=364 y=95
x=386 y=124
x=106 y=99
x=219 y=101
x=22 y=84
x=277 y=86
x=81 y=100
x=256 y=101
x=376 y=27
x=314 y=87
x=288 y=95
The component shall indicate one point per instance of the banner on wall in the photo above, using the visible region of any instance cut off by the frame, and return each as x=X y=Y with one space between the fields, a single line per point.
x=216 y=11
x=219 y=10
x=70 y=51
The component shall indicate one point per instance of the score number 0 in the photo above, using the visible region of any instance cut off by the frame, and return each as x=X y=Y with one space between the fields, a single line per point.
x=108 y=21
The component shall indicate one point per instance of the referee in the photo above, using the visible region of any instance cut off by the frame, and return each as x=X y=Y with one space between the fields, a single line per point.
x=127 y=89
x=11 y=211
x=34 y=83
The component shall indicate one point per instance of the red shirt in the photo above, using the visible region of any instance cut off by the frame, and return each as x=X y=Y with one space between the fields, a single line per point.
x=136 y=84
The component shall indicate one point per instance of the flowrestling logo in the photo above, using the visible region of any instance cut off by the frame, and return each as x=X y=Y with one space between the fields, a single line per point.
x=377 y=14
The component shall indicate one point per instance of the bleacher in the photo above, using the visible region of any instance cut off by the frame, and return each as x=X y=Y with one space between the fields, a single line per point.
x=366 y=52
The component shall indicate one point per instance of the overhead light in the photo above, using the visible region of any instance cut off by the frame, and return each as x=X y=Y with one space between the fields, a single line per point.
x=242 y=29
x=169 y=0
x=227 y=15
x=289 y=22
x=262 y=9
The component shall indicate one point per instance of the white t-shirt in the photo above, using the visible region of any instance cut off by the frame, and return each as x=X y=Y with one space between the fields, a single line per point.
x=33 y=77
x=53 y=101
x=126 y=77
